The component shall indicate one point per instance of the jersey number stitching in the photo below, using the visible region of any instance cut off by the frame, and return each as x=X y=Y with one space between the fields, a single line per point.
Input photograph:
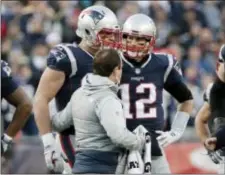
x=139 y=104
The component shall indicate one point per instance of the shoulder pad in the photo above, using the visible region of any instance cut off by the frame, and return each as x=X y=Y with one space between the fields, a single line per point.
x=62 y=58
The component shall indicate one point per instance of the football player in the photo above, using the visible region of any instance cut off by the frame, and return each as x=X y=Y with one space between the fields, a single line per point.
x=210 y=121
x=145 y=75
x=66 y=66
x=16 y=96
x=100 y=110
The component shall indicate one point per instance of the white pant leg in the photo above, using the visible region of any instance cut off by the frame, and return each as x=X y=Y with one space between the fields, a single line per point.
x=160 y=164
x=221 y=166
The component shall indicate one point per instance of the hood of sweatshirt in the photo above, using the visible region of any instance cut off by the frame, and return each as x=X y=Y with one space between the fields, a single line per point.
x=92 y=83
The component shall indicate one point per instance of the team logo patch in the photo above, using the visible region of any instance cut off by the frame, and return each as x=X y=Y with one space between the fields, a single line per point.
x=95 y=15
x=137 y=71
x=58 y=53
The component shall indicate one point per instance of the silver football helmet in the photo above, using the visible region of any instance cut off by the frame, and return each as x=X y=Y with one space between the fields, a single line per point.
x=140 y=26
x=96 y=19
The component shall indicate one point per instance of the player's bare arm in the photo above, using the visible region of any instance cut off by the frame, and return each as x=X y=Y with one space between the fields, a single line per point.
x=15 y=95
x=50 y=83
x=201 y=122
x=23 y=105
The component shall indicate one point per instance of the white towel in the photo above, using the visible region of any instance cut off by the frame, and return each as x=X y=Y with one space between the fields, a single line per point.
x=147 y=154
x=137 y=162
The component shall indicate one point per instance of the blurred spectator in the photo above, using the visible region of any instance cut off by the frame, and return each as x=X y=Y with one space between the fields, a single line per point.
x=159 y=10
x=206 y=80
x=3 y=29
x=15 y=35
x=212 y=15
x=192 y=75
x=38 y=56
x=192 y=31
x=191 y=38
x=52 y=39
x=5 y=48
x=195 y=58
x=127 y=9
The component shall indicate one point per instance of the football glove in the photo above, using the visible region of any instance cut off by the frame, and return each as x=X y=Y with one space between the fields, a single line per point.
x=6 y=143
x=53 y=157
x=177 y=130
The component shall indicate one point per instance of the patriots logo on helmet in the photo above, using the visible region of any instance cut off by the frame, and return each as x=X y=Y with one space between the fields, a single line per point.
x=95 y=15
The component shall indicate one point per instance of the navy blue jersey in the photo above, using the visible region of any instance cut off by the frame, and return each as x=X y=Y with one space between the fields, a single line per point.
x=75 y=63
x=142 y=88
x=8 y=85
x=215 y=96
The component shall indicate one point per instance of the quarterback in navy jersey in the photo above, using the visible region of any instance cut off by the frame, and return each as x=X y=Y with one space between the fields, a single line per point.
x=15 y=95
x=211 y=115
x=66 y=65
x=145 y=75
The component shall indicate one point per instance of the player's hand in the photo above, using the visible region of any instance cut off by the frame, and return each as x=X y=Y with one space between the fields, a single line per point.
x=210 y=143
x=168 y=137
x=215 y=156
x=6 y=143
x=53 y=157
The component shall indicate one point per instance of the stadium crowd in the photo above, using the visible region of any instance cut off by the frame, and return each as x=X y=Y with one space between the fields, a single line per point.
x=193 y=31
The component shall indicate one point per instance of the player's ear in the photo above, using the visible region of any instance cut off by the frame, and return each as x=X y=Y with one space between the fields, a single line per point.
x=117 y=74
x=115 y=70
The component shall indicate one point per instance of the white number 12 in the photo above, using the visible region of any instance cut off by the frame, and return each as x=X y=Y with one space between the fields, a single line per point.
x=139 y=104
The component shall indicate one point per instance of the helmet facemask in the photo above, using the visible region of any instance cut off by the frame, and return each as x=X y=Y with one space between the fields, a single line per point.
x=108 y=38
x=143 y=45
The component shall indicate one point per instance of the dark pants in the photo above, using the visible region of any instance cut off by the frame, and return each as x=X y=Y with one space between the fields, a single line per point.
x=90 y=161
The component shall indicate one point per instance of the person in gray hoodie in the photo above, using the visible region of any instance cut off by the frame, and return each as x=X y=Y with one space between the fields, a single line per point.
x=97 y=114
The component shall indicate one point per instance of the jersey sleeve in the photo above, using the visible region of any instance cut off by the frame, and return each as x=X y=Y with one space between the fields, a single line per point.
x=173 y=74
x=220 y=138
x=206 y=95
x=7 y=82
x=61 y=58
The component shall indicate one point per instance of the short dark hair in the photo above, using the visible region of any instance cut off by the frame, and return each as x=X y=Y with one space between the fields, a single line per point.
x=105 y=61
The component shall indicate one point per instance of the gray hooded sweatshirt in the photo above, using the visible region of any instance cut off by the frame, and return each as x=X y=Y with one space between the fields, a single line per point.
x=97 y=115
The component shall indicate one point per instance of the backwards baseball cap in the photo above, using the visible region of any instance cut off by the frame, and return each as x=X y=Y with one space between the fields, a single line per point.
x=222 y=53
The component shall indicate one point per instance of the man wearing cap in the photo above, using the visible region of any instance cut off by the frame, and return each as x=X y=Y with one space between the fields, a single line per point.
x=211 y=116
